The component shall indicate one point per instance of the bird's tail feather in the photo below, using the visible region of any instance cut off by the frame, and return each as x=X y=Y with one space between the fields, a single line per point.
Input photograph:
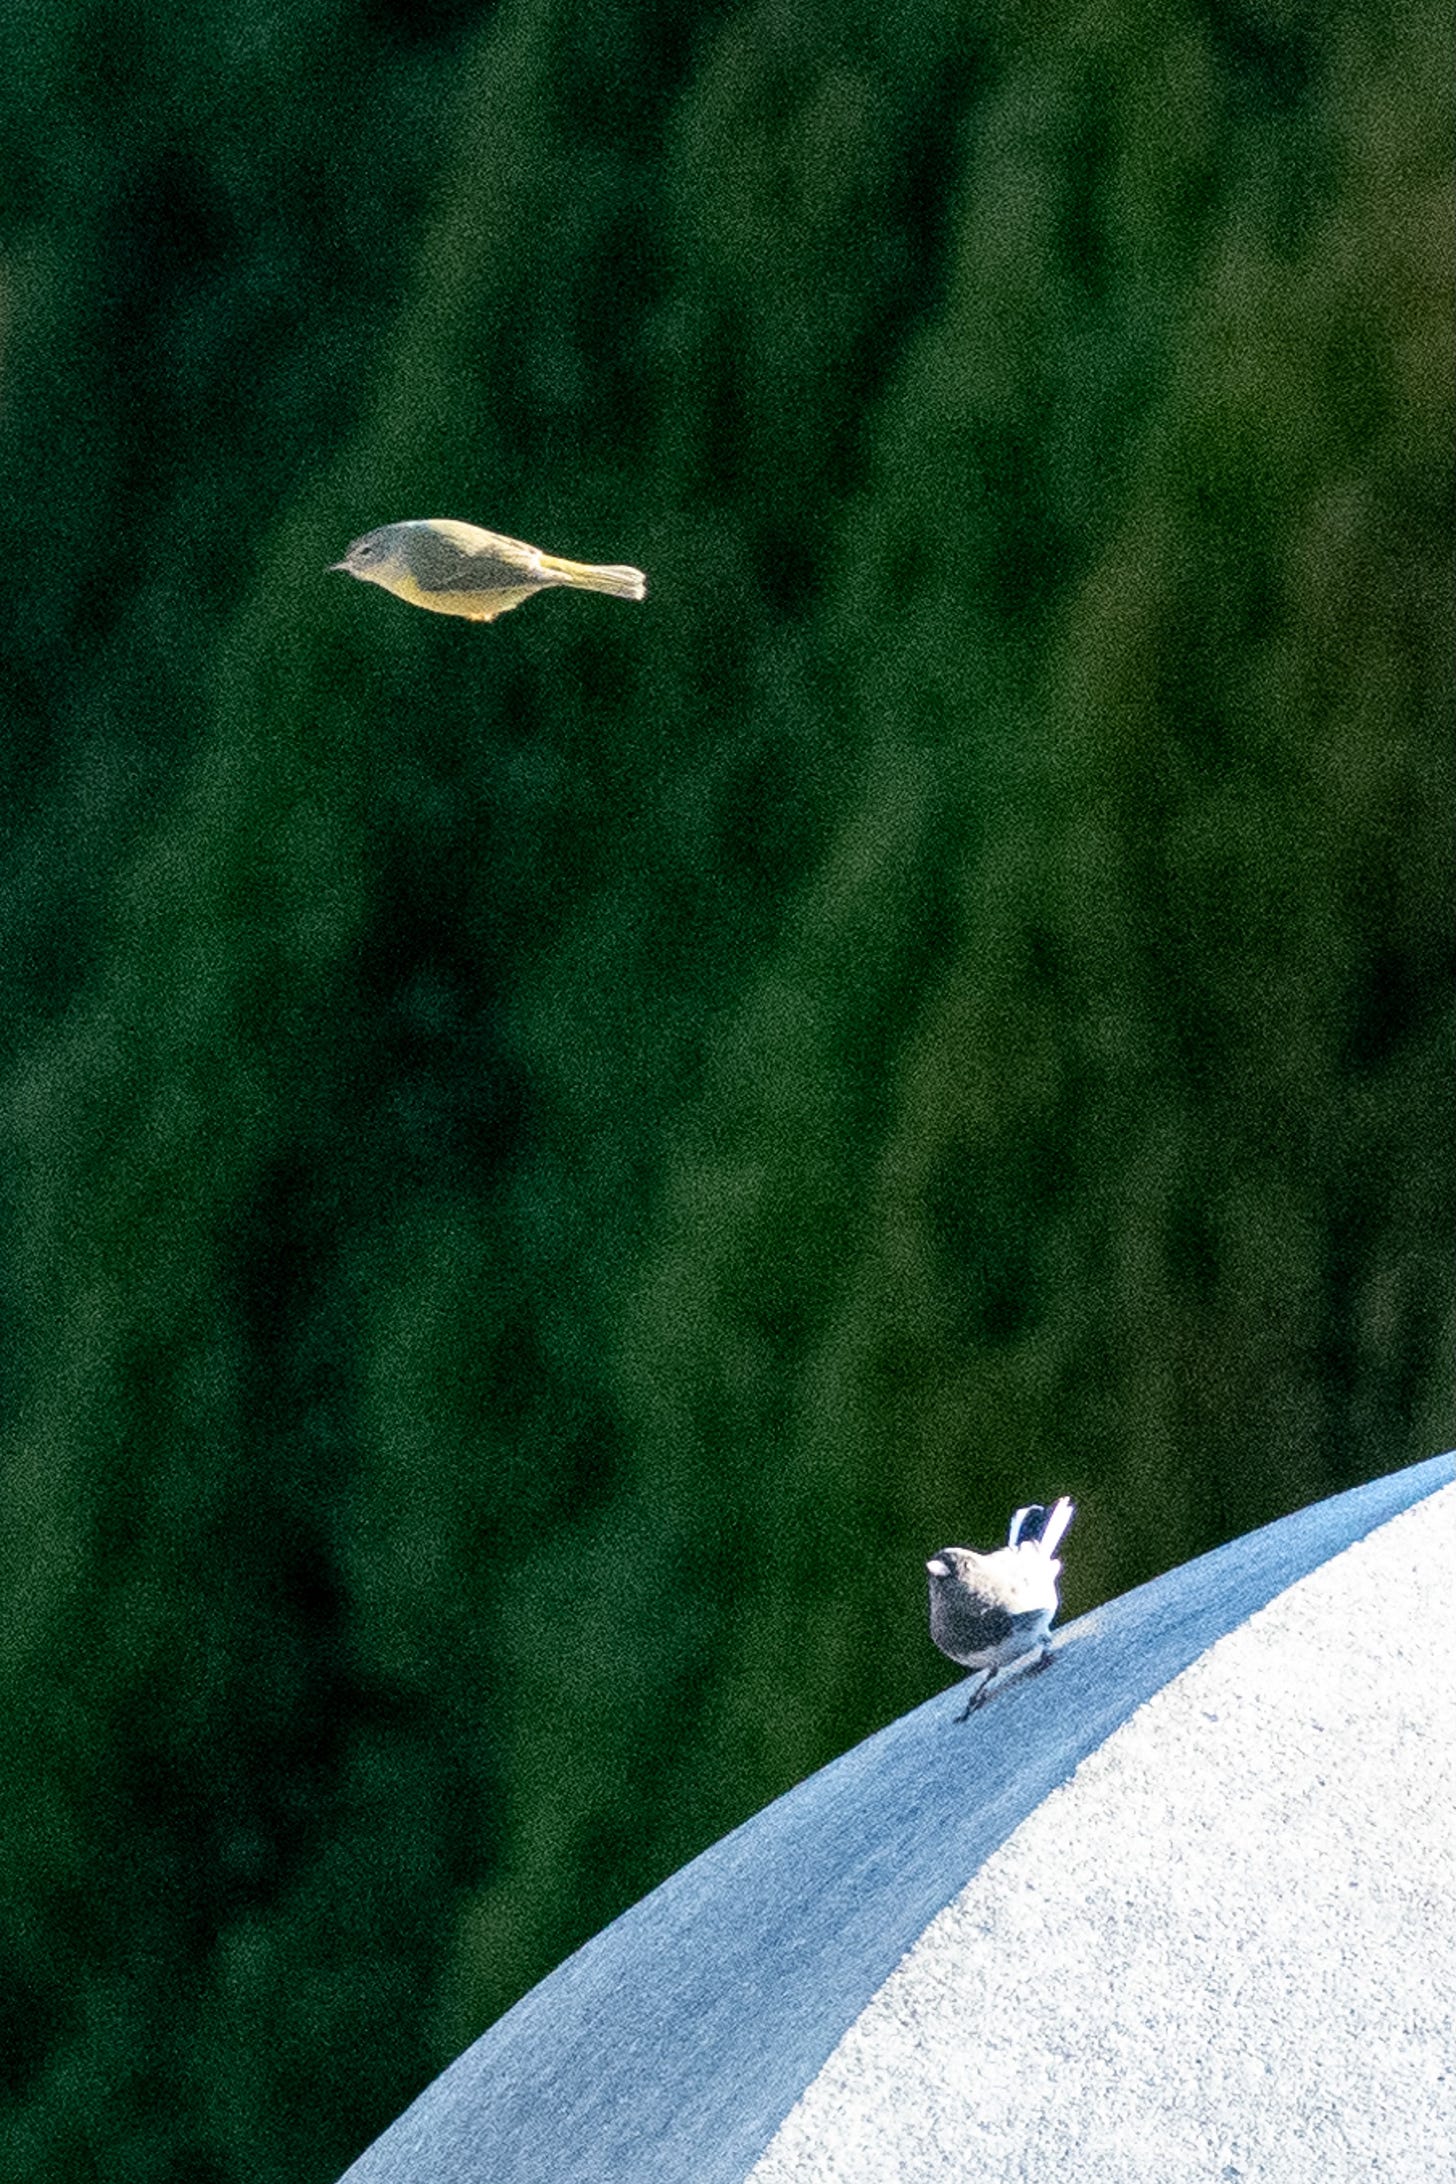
x=622 y=583
x=1056 y=1524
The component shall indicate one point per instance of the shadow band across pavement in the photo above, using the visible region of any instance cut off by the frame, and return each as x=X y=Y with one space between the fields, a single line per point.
x=669 y=2048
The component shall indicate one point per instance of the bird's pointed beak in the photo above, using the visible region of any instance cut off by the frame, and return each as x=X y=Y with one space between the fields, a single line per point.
x=332 y=565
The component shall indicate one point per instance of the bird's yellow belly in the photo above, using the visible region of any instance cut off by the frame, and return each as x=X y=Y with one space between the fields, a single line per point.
x=474 y=606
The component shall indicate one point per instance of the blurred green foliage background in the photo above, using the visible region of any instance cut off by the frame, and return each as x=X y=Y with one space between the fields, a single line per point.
x=544 y=1168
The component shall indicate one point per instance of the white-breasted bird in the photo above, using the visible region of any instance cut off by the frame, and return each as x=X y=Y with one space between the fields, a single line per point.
x=989 y=1610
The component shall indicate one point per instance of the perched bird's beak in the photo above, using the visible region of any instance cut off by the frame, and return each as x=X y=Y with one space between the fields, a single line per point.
x=329 y=570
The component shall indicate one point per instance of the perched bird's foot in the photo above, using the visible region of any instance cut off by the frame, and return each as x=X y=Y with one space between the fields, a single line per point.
x=1044 y=1660
x=977 y=1698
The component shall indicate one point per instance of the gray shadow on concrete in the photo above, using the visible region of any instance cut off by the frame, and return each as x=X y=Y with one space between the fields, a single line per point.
x=669 y=2048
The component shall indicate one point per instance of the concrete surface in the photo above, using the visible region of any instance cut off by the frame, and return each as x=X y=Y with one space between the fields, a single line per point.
x=1225 y=1949
x=1138 y=1941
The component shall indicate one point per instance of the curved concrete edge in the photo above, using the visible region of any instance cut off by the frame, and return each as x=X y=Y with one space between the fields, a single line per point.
x=1221 y=1950
x=670 y=2048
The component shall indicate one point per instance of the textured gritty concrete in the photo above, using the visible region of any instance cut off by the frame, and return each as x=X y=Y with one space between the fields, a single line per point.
x=1180 y=1908
x=1225 y=1949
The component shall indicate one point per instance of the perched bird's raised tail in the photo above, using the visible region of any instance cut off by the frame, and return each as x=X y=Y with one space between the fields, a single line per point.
x=1039 y=1527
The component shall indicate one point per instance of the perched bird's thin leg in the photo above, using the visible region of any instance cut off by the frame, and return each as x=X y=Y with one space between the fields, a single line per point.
x=977 y=1698
x=1043 y=1660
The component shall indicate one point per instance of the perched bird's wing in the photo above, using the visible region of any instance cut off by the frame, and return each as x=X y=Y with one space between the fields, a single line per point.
x=1030 y=1588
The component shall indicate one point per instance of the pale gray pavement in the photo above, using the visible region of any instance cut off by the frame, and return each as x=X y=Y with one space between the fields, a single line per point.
x=1183 y=1909
x=1225 y=1949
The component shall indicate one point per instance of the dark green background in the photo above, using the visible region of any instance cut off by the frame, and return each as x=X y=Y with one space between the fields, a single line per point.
x=544 y=1168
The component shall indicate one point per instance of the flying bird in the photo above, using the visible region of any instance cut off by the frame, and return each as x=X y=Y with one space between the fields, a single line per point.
x=987 y=1611
x=454 y=568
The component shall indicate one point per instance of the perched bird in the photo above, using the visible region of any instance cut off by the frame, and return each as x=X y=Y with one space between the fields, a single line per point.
x=453 y=568
x=988 y=1610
